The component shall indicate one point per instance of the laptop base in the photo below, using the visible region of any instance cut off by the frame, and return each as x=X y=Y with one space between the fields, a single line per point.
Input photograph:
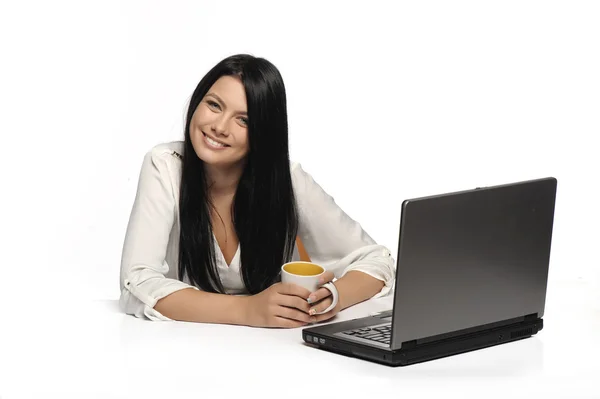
x=322 y=337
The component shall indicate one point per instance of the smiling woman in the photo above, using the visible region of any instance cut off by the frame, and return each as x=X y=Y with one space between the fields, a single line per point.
x=222 y=211
x=219 y=127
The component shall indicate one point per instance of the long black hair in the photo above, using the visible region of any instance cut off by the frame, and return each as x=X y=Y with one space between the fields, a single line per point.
x=264 y=207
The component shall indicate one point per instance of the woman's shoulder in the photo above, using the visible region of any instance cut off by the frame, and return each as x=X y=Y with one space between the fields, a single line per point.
x=163 y=161
x=172 y=150
x=301 y=179
x=295 y=170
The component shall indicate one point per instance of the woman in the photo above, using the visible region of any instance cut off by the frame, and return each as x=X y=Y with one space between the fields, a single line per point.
x=219 y=213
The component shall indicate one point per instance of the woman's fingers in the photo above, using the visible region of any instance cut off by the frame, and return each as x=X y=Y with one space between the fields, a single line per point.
x=319 y=295
x=294 y=314
x=293 y=289
x=321 y=306
x=326 y=277
x=292 y=301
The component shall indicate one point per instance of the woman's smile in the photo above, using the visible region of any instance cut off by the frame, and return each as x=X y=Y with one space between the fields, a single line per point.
x=212 y=143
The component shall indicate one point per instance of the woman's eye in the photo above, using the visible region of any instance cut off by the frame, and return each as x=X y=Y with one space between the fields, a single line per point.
x=244 y=121
x=213 y=104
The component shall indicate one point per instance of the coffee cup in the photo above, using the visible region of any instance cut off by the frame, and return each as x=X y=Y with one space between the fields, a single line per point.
x=307 y=274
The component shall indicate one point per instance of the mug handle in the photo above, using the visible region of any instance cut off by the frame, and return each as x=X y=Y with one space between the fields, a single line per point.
x=334 y=293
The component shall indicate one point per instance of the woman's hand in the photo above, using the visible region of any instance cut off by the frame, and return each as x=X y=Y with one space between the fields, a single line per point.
x=281 y=305
x=321 y=299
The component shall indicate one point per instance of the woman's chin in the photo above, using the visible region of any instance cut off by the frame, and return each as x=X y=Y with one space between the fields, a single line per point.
x=218 y=160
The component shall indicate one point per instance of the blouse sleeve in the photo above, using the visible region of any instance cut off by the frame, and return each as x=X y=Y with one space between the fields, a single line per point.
x=333 y=239
x=143 y=278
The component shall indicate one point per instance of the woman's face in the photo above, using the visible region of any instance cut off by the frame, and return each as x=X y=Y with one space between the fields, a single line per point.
x=219 y=130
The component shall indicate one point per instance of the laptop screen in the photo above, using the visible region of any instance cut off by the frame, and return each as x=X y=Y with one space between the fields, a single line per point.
x=472 y=258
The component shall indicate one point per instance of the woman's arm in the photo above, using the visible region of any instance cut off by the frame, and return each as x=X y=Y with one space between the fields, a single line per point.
x=353 y=287
x=332 y=239
x=280 y=305
x=356 y=287
x=144 y=269
x=202 y=307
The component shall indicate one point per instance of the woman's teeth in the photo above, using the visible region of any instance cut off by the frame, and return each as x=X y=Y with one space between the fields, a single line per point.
x=212 y=142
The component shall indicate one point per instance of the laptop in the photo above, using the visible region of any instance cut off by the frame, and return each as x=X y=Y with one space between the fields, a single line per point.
x=472 y=271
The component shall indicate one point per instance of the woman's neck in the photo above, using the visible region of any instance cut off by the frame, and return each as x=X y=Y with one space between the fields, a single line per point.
x=223 y=182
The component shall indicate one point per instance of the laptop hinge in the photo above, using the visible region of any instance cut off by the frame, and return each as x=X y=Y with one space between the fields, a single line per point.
x=420 y=341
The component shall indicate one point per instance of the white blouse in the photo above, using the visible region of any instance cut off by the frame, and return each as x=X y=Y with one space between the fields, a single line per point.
x=150 y=251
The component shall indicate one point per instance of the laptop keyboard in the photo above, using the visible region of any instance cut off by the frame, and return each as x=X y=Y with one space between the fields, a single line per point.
x=378 y=334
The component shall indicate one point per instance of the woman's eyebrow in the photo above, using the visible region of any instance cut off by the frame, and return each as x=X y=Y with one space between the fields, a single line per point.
x=223 y=102
x=216 y=97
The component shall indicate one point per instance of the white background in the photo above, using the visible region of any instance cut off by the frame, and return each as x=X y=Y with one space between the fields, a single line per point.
x=386 y=101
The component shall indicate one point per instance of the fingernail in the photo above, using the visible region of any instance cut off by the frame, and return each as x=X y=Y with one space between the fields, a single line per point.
x=313 y=319
x=312 y=311
x=311 y=299
x=321 y=280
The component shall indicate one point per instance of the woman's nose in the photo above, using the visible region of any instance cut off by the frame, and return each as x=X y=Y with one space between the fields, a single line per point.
x=219 y=125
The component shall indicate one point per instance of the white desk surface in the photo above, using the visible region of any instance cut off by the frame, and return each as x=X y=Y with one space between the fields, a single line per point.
x=91 y=350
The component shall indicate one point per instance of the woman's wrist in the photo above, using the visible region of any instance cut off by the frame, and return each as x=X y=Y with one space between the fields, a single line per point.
x=243 y=311
x=355 y=287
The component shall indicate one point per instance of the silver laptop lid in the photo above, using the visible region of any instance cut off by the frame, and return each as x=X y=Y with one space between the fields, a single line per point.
x=472 y=258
